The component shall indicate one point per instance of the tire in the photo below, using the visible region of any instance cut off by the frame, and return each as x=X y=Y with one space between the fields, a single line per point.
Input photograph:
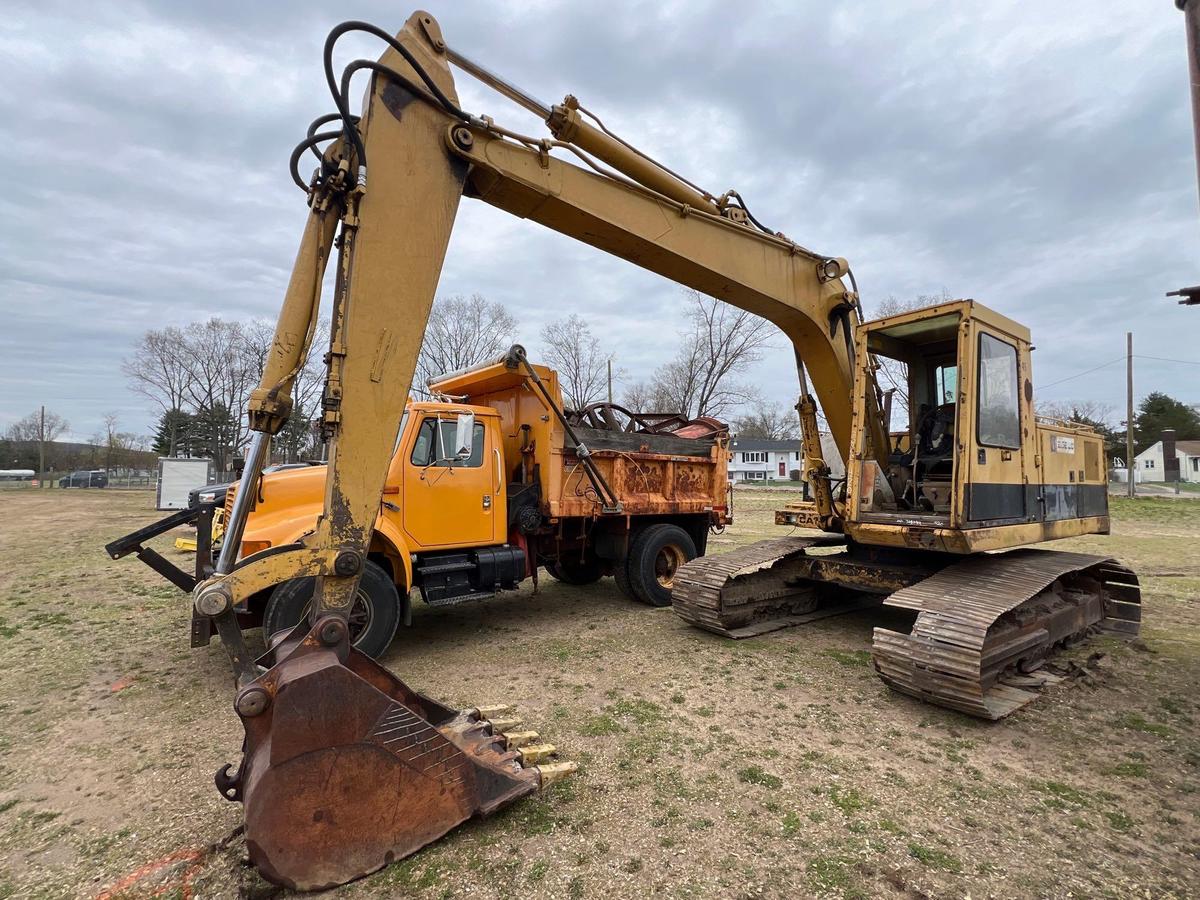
x=574 y=571
x=621 y=577
x=373 y=618
x=657 y=552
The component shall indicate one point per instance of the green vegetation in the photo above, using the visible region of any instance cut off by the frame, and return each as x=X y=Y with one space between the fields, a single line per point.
x=1119 y=821
x=1128 y=770
x=830 y=873
x=849 y=800
x=937 y=859
x=1059 y=795
x=595 y=726
x=1137 y=722
x=854 y=658
x=755 y=775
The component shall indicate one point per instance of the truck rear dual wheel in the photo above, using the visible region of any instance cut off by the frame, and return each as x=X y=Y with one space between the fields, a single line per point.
x=374 y=616
x=655 y=555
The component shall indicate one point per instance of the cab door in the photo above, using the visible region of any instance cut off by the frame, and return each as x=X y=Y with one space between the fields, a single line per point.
x=450 y=502
x=996 y=490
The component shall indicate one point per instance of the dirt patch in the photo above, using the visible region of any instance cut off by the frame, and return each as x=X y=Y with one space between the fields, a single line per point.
x=774 y=767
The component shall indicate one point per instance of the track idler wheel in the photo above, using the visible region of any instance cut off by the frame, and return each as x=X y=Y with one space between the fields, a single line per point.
x=346 y=769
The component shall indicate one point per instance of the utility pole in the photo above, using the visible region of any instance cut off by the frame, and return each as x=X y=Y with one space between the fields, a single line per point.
x=42 y=445
x=610 y=399
x=1129 y=470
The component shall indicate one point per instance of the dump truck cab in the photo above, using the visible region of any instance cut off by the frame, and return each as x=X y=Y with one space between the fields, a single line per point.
x=432 y=499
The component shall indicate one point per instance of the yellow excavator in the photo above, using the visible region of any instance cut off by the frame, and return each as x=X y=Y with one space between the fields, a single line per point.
x=344 y=767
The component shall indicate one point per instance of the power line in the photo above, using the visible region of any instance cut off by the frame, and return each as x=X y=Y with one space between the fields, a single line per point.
x=1186 y=362
x=1081 y=374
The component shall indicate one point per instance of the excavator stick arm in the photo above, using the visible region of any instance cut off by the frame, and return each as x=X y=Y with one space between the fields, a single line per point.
x=373 y=769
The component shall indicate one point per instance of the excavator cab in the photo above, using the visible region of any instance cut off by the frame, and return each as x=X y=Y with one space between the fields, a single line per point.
x=962 y=467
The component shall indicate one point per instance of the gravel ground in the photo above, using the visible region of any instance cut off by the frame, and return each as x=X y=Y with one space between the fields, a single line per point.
x=774 y=767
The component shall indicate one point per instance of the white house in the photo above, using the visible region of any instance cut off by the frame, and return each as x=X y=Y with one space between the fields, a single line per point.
x=1149 y=463
x=754 y=459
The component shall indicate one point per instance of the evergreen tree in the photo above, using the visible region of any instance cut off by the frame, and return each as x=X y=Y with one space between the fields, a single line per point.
x=1157 y=412
x=174 y=434
x=214 y=432
x=295 y=439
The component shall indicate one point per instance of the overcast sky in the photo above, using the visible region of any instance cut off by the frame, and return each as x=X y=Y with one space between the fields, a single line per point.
x=1034 y=156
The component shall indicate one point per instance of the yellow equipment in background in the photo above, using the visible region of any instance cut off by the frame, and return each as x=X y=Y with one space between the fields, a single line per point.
x=188 y=545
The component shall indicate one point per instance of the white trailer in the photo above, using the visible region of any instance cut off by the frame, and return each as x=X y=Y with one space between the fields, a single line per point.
x=177 y=477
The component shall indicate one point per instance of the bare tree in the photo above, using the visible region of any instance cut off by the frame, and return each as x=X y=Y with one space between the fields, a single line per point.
x=296 y=437
x=119 y=446
x=722 y=340
x=461 y=332
x=643 y=396
x=768 y=421
x=40 y=427
x=221 y=373
x=574 y=352
x=1078 y=411
x=158 y=370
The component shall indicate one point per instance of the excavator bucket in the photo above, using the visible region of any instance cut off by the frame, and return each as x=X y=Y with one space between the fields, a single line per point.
x=345 y=768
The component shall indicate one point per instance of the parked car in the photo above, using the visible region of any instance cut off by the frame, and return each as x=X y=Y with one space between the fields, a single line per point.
x=97 y=478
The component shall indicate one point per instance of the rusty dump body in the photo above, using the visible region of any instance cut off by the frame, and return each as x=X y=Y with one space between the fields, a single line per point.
x=677 y=470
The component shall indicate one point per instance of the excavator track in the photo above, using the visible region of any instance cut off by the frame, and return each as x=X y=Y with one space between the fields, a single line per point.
x=985 y=626
x=752 y=590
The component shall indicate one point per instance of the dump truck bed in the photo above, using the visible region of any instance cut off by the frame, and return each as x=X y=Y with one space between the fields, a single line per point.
x=650 y=473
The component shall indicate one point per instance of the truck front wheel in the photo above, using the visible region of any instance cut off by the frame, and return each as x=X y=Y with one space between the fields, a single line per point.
x=373 y=617
x=654 y=557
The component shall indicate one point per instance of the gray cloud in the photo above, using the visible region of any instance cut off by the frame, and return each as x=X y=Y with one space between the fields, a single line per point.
x=1037 y=158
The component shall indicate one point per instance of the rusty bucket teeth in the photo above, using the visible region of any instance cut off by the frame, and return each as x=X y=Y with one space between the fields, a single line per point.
x=499 y=726
x=491 y=712
x=516 y=739
x=532 y=754
x=552 y=772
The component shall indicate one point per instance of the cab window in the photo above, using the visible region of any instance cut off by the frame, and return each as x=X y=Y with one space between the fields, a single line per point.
x=999 y=424
x=434 y=445
x=946 y=383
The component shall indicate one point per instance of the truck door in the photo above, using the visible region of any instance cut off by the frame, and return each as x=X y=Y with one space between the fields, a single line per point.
x=450 y=502
x=996 y=488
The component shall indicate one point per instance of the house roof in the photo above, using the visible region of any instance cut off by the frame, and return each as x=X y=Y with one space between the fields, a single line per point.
x=1191 y=448
x=758 y=444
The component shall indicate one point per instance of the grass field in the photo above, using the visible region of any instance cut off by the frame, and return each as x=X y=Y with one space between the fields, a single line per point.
x=774 y=767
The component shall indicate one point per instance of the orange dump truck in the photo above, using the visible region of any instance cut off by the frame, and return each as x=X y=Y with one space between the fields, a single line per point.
x=492 y=480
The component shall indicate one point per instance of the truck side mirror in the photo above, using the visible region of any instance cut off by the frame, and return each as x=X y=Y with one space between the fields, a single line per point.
x=464 y=436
